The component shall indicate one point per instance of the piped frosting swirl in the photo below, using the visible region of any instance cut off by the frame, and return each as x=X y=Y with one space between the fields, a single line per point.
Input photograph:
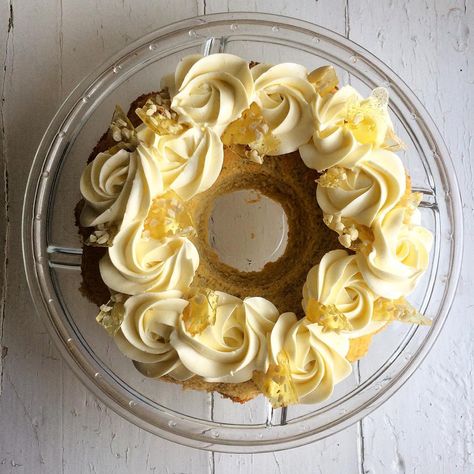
x=337 y=281
x=346 y=127
x=283 y=94
x=191 y=162
x=234 y=346
x=211 y=91
x=137 y=264
x=118 y=187
x=399 y=255
x=316 y=358
x=366 y=191
x=144 y=336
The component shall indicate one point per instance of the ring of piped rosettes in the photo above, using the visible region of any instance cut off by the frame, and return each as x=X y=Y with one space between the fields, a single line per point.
x=135 y=204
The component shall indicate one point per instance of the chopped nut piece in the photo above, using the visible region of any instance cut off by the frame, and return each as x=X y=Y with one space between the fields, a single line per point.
x=117 y=135
x=117 y=297
x=157 y=115
x=254 y=156
x=345 y=240
x=328 y=218
x=332 y=178
x=252 y=130
x=122 y=131
x=101 y=237
x=353 y=232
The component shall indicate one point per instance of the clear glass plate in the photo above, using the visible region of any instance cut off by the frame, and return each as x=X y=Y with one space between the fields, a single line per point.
x=52 y=251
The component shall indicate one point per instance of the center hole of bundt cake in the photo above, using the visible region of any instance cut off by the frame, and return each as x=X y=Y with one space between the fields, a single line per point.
x=247 y=229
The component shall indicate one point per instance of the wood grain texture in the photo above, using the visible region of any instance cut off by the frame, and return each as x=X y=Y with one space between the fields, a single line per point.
x=340 y=452
x=428 y=425
x=5 y=39
x=31 y=368
x=49 y=422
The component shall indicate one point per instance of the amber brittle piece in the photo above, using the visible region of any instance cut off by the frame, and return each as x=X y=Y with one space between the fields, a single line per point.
x=358 y=347
x=157 y=115
x=398 y=310
x=368 y=119
x=327 y=316
x=244 y=130
x=324 y=80
x=167 y=217
x=277 y=383
x=201 y=311
x=410 y=201
x=252 y=132
x=111 y=317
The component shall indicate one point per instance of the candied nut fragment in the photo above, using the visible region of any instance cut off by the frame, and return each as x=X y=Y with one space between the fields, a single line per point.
x=157 y=115
x=253 y=132
x=101 y=236
x=332 y=177
x=122 y=131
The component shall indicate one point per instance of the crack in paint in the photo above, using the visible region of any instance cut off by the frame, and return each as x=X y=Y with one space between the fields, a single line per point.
x=33 y=423
x=347 y=24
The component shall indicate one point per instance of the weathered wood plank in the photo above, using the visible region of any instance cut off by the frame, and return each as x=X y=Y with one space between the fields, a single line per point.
x=5 y=71
x=340 y=452
x=50 y=422
x=427 y=426
x=30 y=405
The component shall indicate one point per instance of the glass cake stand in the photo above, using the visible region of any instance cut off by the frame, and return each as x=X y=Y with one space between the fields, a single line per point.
x=52 y=251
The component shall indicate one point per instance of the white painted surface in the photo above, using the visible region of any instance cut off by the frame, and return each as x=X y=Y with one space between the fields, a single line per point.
x=49 y=423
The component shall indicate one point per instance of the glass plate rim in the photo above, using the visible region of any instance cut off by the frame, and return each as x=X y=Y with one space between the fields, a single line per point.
x=210 y=442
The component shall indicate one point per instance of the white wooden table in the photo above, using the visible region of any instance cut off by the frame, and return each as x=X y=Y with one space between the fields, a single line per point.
x=49 y=423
